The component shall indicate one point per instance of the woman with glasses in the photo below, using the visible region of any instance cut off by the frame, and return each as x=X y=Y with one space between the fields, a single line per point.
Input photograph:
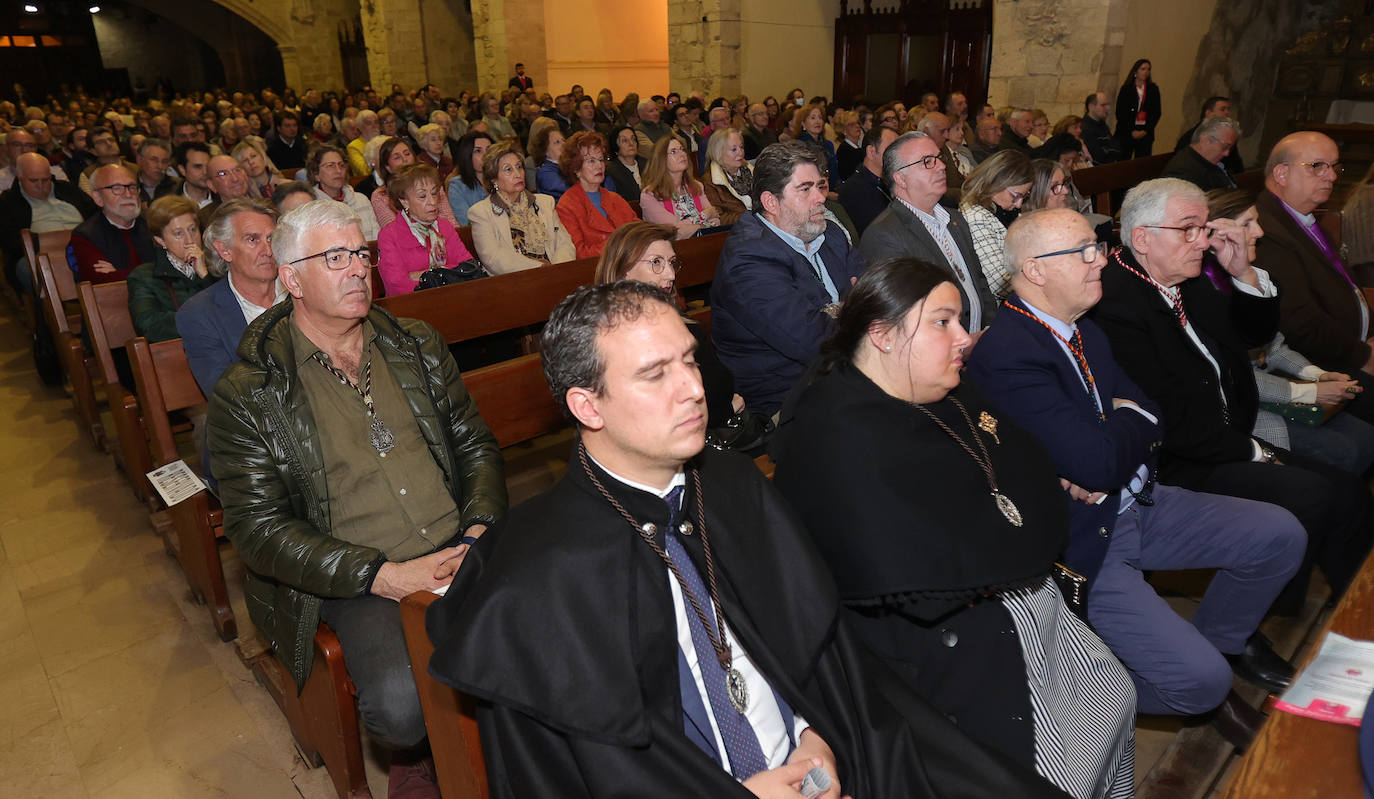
x=993 y=194
x=671 y=194
x=514 y=228
x=327 y=171
x=589 y=211
x=419 y=238
x=643 y=251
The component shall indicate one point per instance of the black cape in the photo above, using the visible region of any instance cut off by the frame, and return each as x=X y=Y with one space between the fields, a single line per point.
x=560 y=624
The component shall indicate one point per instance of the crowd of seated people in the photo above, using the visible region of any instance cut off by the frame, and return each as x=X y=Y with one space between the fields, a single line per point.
x=1124 y=410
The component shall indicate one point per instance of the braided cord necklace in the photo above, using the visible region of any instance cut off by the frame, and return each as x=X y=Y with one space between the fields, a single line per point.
x=378 y=435
x=1004 y=503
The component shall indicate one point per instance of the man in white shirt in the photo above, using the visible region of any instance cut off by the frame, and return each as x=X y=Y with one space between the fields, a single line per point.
x=42 y=205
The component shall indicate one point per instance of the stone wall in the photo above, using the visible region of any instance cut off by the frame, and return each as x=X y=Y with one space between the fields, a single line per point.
x=499 y=45
x=123 y=38
x=1050 y=54
x=704 y=39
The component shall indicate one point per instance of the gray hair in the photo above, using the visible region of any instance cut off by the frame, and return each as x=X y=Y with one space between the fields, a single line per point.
x=1147 y=204
x=151 y=142
x=775 y=165
x=715 y=146
x=372 y=150
x=367 y=115
x=221 y=229
x=568 y=343
x=892 y=156
x=1211 y=126
x=294 y=224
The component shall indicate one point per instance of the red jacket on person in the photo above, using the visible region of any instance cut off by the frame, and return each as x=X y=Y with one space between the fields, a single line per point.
x=588 y=227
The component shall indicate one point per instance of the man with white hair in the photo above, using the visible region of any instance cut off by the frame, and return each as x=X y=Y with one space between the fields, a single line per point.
x=108 y=245
x=1016 y=130
x=649 y=129
x=1186 y=345
x=368 y=128
x=1201 y=163
x=354 y=470
x=1052 y=372
x=936 y=126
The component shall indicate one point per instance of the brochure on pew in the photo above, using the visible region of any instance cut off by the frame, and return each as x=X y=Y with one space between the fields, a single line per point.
x=175 y=482
x=1336 y=684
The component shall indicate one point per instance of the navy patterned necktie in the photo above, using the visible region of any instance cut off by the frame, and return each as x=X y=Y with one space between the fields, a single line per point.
x=741 y=743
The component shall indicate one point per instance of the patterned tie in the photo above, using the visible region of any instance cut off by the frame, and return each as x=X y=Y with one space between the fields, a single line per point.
x=741 y=743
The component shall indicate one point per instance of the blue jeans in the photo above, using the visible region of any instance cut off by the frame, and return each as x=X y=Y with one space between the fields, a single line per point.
x=1344 y=441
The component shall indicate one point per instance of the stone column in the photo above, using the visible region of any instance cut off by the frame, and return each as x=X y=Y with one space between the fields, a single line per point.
x=500 y=46
x=704 y=46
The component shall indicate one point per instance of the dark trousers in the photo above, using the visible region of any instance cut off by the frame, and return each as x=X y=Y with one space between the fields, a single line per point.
x=1333 y=506
x=1177 y=666
x=374 y=647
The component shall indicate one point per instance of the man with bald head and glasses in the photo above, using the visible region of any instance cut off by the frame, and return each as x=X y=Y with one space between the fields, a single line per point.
x=1322 y=313
x=353 y=469
x=106 y=246
x=1186 y=344
x=915 y=225
x=227 y=181
x=1052 y=372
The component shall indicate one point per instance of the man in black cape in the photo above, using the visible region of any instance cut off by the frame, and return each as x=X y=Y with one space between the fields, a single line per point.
x=570 y=628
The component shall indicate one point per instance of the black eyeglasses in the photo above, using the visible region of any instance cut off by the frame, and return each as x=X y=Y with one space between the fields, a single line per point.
x=1089 y=251
x=338 y=258
x=657 y=264
x=929 y=162
x=1190 y=233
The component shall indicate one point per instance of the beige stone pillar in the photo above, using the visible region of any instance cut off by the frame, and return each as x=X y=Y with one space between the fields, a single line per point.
x=1051 y=54
x=507 y=31
x=704 y=46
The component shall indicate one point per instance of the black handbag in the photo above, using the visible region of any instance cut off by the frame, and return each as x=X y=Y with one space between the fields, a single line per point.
x=746 y=431
x=437 y=276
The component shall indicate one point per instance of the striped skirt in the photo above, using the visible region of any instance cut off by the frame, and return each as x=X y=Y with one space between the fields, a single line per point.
x=1081 y=695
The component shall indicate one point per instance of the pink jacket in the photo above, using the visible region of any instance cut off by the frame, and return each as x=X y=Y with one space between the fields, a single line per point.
x=399 y=253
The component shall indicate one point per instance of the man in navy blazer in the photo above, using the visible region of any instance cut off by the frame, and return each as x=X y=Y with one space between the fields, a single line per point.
x=238 y=244
x=1053 y=373
x=783 y=272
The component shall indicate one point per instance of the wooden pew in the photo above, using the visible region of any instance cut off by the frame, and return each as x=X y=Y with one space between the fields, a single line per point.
x=57 y=288
x=450 y=717
x=1294 y=757
x=165 y=384
x=1098 y=182
x=511 y=301
x=105 y=313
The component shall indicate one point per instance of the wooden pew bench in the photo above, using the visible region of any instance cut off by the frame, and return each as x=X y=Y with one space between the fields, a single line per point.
x=105 y=314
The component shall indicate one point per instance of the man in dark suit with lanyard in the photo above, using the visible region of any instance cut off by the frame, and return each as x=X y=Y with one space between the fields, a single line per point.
x=1053 y=373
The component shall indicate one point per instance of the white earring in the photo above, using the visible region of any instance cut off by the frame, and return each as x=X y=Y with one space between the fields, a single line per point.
x=888 y=348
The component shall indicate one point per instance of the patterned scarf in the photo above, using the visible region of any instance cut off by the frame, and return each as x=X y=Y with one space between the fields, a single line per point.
x=528 y=233
x=427 y=233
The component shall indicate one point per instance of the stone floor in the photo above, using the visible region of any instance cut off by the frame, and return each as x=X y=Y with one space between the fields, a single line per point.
x=112 y=681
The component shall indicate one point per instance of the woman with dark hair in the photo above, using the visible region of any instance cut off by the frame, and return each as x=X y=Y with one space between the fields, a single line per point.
x=418 y=238
x=625 y=168
x=1284 y=377
x=671 y=194
x=991 y=201
x=466 y=188
x=327 y=171
x=590 y=214
x=1138 y=108
x=394 y=154
x=546 y=147
x=941 y=522
x=514 y=228
x=643 y=251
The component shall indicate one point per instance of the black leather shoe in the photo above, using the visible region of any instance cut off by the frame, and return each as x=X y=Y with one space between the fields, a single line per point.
x=1237 y=721
x=1260 y=665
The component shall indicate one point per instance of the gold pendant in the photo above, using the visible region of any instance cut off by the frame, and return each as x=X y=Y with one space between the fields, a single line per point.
x=1008 y=508
x=988 y=425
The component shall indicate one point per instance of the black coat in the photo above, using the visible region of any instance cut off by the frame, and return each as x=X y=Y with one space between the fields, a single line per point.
x=1187 y=164
x=16 y=214
x=904 y=518
x=1162 y=360
x=1233 y=162
x=1102 y=145
x=560 y=624
x=1128 y=103
x=625 y=184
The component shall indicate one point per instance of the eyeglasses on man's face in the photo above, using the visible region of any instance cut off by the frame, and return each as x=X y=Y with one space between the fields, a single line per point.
x=1324 y=168
x=927 y=162
x=1088 y=252
x=337 y=258
x=1190 y=232
x=120 y=189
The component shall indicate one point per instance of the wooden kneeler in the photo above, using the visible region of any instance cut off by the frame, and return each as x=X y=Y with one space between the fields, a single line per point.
x=450 y=717
x=324 y=716
x=165 y=384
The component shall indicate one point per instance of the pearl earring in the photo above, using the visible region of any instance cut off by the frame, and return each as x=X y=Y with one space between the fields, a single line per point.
x=888 y=348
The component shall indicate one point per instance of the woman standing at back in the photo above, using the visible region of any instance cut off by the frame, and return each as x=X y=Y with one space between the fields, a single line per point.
x=1138 y=109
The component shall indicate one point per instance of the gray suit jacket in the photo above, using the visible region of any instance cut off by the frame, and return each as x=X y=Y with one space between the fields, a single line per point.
x=897 y=232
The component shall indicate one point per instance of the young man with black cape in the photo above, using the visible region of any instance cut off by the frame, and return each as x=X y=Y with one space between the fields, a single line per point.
x=588 y=623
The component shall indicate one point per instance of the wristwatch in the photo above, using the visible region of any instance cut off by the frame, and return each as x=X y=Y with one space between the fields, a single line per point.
x=1268 y=452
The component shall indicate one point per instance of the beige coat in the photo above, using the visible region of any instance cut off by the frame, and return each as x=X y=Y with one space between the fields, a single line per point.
x=491 y=236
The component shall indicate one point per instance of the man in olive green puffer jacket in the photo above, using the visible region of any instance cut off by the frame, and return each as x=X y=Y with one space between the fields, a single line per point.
x=352 y=465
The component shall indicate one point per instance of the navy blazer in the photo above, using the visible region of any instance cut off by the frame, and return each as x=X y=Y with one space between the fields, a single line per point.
x=1023 y=370
x=211 y=324
x=766 y=308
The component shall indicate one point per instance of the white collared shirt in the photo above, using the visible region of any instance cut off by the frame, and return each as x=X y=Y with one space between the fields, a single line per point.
x=763 y=713
x=252 y=310
x=937 y=225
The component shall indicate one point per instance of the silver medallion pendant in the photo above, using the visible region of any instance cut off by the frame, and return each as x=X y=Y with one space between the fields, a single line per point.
x=379 y=437
x=1007 y=507
x=739 y=692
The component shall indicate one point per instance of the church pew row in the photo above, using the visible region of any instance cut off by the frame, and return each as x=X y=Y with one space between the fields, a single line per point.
x=1294 y=757
x=56 y=290
x=105 y=314
x=507 y=302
